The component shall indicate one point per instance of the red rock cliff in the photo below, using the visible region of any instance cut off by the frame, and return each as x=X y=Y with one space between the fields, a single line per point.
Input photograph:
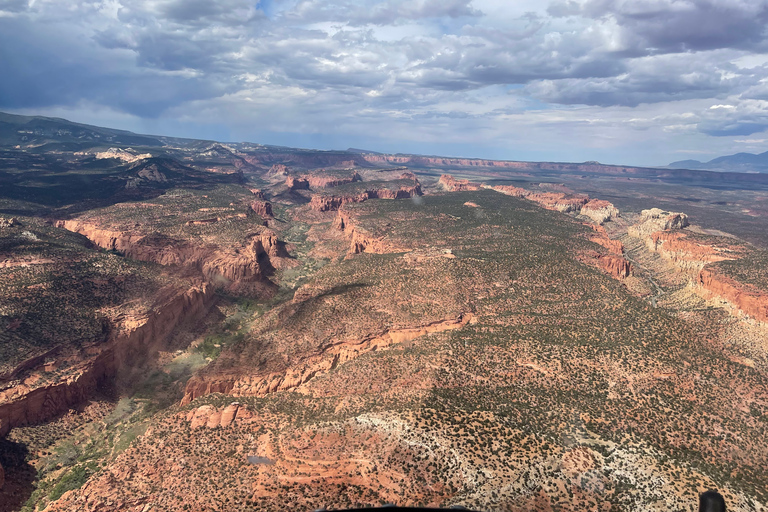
x=132 y=341
x=324 y=203
x=241 y=265
x=688 y=253
x=451 y=184
x=748 y=299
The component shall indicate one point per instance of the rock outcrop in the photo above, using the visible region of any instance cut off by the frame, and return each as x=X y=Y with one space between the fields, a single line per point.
x=238 y=265
x=207 y=416
x=328 y=181
x=614 y=263
x=297 y=183
x=451 y=184
x=322 y=202
x=599 y=211
x=560 y=201
x=299 y=374
x=687 y=253
x=654 y=220
x=134 y=338
x=748 y=299
x=263 y=209
x=277 y=170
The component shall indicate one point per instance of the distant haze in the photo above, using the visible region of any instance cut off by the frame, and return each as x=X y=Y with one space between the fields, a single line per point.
x=618 y=81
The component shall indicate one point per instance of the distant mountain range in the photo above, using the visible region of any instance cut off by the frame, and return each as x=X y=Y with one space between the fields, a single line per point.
x=740 y=162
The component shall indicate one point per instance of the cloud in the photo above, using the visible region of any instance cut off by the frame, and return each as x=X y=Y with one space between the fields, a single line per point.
x=421 y=70
x=664 y=26
x=381 y=13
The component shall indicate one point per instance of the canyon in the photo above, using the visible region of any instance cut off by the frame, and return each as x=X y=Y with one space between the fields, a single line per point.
x=219 y=326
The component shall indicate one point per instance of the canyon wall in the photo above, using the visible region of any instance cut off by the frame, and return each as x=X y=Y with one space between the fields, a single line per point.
x=238 y=266
x=130 y=343
x=325 y=360
x=687 y=253
x=748 y=299
x=324 y=202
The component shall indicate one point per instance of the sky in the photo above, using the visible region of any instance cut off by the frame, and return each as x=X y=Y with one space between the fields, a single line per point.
x=635 y=82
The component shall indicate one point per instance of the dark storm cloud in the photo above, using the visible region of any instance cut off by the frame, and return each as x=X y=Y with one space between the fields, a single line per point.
x=678 y=25
x=58 y=68
x=321 y=65
x=648 y=80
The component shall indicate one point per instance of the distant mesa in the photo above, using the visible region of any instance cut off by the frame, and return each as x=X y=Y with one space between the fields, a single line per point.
x=739 y=162
x=126 y=155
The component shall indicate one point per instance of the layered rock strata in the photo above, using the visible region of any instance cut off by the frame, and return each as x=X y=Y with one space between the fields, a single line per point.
x=238 y=265
x=748 y=299
x=327 y=358
x=654 y=220
x=599 y=211
x=324 y=203
x=28 y=404
x=451 y=184
x=687 y=253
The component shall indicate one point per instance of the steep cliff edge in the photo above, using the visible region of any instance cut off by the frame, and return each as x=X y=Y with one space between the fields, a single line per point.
x=451 y=184
x=325 y=360
x=654 y=220
x=28 y=402
x=613 y=263
x=599 y=211
x=689 y=252
x=560 y=201
x=399 y=189
x=747 y=298
x=247 y=264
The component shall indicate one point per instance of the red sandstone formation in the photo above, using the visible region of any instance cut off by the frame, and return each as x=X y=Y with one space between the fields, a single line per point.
x=262 y=208
x=132 y=340
x=324 y=203
x=654 y=220
x=276 y=169
x=748 y=299
x=258 y=193
x=601 y=237
x=238 y=265
x=326 y=181
x=299 y=374
x=297 y=183
x=451 y=184
x=559 y=201
x=688 y=253
x=511 y=191
x=599 y=211
x=616 y=266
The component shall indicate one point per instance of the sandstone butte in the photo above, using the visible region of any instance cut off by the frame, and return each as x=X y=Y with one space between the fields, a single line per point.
x=451 y=184
x=654 y=220
x=262 y=208
x=241 y=266
x=130 y=341
x=322 y=202
x=599 y=211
